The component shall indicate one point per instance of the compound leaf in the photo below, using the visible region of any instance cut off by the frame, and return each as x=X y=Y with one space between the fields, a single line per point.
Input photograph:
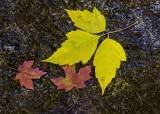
x=107 y=60
x=91 y=22
x=72 y=78
x=80 y=46
x=27 y=74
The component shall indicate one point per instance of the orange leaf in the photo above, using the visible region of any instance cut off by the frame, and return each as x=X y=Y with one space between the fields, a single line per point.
x=27 y=74
x=72 y=78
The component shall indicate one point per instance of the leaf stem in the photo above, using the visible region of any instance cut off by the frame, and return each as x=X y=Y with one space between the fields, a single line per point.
x=119 y=30
x=124 y=28
x=75 y=101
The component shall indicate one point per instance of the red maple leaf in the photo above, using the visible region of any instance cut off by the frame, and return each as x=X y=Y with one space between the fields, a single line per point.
x=72 y=78
x=27 y=74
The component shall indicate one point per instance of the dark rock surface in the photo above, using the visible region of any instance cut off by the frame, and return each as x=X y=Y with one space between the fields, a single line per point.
x=34 y=29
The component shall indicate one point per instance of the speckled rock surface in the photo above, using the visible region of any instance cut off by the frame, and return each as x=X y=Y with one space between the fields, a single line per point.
x=34 y=29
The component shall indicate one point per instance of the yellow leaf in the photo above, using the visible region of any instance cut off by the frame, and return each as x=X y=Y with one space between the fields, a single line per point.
x=107 y=60
x=80 y=46
x=91 y=22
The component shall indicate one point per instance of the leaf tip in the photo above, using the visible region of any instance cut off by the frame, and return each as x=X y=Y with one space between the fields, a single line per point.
x=94 y=8
x=43 y=60
x=67 y=10
x=46 y=60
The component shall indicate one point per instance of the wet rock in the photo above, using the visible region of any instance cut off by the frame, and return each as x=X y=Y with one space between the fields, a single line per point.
x=33 y=30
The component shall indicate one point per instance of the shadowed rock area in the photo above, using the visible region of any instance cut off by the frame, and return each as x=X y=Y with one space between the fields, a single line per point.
x=34 y=29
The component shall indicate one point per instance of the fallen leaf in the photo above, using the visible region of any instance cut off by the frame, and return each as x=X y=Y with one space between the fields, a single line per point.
x=72 y=78
x=80 y=46
x=27 y=74
x=91 y=22
x=107 y=60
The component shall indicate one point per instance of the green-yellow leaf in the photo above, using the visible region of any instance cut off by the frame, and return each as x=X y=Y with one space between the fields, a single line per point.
x=91 y=22
x=107 y=60
x=80 y=46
